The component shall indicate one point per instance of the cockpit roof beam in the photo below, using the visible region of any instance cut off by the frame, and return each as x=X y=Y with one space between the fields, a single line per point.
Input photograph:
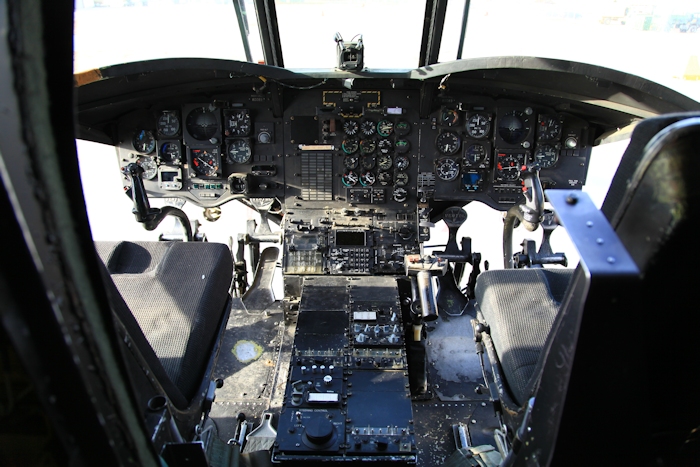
x=432 y=31
x=463 y=32
x=238 y=5
x=269 y=32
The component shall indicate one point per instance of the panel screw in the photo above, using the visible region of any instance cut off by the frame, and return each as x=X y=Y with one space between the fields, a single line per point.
x=571 y=199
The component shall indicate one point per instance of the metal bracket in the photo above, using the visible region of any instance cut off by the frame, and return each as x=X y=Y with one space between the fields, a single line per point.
x=598 y=246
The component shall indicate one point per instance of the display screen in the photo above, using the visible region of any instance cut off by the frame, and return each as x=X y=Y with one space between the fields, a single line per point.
x=168 y=176
x=349 y=238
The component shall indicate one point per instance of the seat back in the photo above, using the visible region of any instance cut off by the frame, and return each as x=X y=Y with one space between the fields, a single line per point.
x=616 y=347
x=171 y=298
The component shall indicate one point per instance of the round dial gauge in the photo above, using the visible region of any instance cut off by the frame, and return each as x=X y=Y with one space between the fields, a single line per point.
x=368 y=128
x=384 y=162
x=368 y=162
x=170 y=152
x=548 y=127
x=144 y=141
x=201 y=124
x=367 y=178
x=239 y=151
x=168 y=123
x=384 y=178
x=350 y=146
x=367 y=146
x=546 y=156
x=400 y=179
x=205 y=161
x=479 y=126
x=514 y=126
x=449 y=117
x=400 y=195
x=385 y=146
x=447 y=142
x=401 y=162
x=149 y=166
x=508 y=167
x=402 y=146
x=350 y=127
x=447 y=168
x=385 y=128
x=351 y=162
x=402 y=128
x=237 y=122
x=350 y=178
x=474 y=154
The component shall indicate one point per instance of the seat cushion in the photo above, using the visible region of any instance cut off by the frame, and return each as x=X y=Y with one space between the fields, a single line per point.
x=177 y=292
x=520 y=305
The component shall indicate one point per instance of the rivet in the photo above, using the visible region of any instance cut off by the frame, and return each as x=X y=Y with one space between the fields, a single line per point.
x=589 y=224
x=599 y=241
x=611 y=260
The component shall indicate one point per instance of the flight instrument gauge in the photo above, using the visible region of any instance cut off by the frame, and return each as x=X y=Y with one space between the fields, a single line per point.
x=368 y=128
x=202 y=124
x=367 y=178
x=205 y=162
x=367 y=146
x=368 y=162
x=509 y=165
x=548 y=127
x=402 y=128
x=479 y=125
x=144 y=141
x=514 y=126
x=168 y=123
x=546 y=156
x=237 y=122
x=400 y=195
x=400 y=179
x=170 y=152
x=384 y=178
x=402 y=146
x=350 y=145
x=350 y=127
x=385 y=146
x=447 y=168
x=474 y=154
x=385 y=128
x=351 y=162
x=447 y=142
x=449 y=117
x=149 y=166
x=384 y=162
x=350 y=178
x=238 y=151
x=401 y=162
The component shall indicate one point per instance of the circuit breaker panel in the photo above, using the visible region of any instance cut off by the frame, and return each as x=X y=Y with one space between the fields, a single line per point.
x=348 y=394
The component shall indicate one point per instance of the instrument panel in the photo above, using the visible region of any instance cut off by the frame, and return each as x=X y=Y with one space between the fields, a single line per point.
x=352 y=149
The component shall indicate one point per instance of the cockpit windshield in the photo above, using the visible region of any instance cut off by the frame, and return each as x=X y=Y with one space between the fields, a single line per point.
x=655 y=40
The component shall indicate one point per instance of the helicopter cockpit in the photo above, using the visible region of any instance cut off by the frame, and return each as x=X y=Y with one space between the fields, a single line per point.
x=350 y=314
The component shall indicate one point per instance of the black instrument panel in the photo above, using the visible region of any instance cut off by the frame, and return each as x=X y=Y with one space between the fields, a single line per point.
x=362 y=149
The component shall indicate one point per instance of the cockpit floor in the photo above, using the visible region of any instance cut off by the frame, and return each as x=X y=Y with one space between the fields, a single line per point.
x=254 y=360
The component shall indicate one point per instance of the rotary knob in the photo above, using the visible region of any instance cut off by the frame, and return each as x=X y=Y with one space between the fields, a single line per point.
x=319 y=431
